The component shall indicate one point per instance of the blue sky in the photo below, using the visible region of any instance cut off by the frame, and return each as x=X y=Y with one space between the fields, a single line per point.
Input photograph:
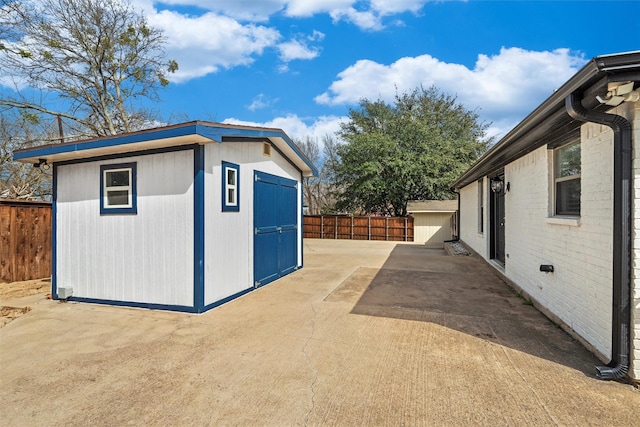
x=300 y=64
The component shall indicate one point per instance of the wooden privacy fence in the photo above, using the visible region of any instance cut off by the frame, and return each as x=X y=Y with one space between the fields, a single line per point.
x=25 y=240
x=398 y=229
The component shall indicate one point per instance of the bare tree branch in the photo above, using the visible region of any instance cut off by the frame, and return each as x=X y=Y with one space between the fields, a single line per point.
x=96 y=56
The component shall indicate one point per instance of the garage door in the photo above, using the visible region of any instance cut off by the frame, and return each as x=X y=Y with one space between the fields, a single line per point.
x=275 y=219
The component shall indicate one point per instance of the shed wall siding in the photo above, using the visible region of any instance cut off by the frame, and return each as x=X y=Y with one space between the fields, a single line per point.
x=229 y=235
x=147 y=257
x=432 y=228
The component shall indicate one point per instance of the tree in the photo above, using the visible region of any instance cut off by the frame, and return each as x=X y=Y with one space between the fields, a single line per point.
x=311 y=150
x=94 y=57
x=411 y=150
x=19 y=180
x=318 y=191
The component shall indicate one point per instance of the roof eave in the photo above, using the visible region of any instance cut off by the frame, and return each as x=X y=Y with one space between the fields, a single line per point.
x=169 y=136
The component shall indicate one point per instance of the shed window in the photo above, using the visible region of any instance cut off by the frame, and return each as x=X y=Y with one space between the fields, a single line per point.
x=567 y=169
x=230 y=187
x=118 y=189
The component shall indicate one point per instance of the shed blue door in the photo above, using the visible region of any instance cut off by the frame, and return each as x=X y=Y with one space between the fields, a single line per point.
x=275 y=219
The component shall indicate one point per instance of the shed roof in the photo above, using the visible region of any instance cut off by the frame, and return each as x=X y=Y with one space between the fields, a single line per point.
x=416 y=206
x=551 y=119
x=195 y=132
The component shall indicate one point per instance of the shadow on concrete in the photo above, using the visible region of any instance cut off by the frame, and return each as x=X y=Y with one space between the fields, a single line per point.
x=462 y=293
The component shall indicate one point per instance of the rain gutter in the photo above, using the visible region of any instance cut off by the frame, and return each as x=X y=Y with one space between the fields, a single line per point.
x=622 y=226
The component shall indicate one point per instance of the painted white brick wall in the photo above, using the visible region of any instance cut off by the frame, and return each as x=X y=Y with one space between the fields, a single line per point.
x=579 y=292
x=469 y=218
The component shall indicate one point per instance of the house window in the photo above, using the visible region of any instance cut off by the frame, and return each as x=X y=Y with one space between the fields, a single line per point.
x=480 y=206
x=230 y=187
x=118 y=189
x=566 y=177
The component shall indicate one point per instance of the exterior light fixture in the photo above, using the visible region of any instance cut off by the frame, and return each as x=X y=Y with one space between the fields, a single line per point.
x=497 y=185
x=619 y=92
x=42 y=164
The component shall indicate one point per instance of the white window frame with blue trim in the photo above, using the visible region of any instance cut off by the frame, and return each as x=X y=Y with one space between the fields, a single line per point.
x=230 y=187
x=113 y=183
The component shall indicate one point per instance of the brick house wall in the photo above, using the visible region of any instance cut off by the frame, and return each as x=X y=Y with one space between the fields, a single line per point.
x=579 y=292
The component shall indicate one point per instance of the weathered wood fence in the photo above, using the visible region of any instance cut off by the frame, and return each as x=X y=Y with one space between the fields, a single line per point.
x=25 y=240
x=398 y=229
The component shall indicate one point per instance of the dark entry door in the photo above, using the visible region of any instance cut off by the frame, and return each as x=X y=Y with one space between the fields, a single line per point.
x=498 y=220
x=275 y=218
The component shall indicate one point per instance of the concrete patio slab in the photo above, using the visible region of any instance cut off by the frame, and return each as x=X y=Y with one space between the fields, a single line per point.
x=367 y=333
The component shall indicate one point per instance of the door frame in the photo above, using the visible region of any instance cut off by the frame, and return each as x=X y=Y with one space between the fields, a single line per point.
x=497 y=219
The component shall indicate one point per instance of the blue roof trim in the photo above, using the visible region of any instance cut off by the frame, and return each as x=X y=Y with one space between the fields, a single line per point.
x=216 y=133
x=113 y=141
x=209 y=131
x=262 y=133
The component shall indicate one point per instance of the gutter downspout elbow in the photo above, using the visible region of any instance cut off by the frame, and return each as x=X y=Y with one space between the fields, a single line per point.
x=622 y=225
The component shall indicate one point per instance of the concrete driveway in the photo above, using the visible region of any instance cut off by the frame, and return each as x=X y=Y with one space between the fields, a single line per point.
x=368 y=333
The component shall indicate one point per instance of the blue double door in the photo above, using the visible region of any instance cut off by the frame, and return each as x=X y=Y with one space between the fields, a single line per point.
x=275 y=219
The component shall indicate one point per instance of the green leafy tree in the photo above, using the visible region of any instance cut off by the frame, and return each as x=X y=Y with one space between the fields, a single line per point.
x=411 y=150
x=94 y=57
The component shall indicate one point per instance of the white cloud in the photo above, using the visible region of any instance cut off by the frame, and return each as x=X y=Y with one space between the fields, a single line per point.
x=304 y=8
x=225 y=33
x=203 y=44
x=245 y=10
x=298 y=128
x=316 y=36
x=261 y=101
x=389 y=7
x=366 y=19
x=296 y=49
x=505 y=87
x=366 y=15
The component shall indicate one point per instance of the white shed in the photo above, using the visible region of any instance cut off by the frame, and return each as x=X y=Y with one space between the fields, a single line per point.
x=432 y=220
x=183 y=217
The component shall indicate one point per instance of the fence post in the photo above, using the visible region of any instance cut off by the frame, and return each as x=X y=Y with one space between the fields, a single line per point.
x=369 y=227
x=322 y=226
x=335 y=227
x=406 y=230
x=351 y=227
x=386 y=229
